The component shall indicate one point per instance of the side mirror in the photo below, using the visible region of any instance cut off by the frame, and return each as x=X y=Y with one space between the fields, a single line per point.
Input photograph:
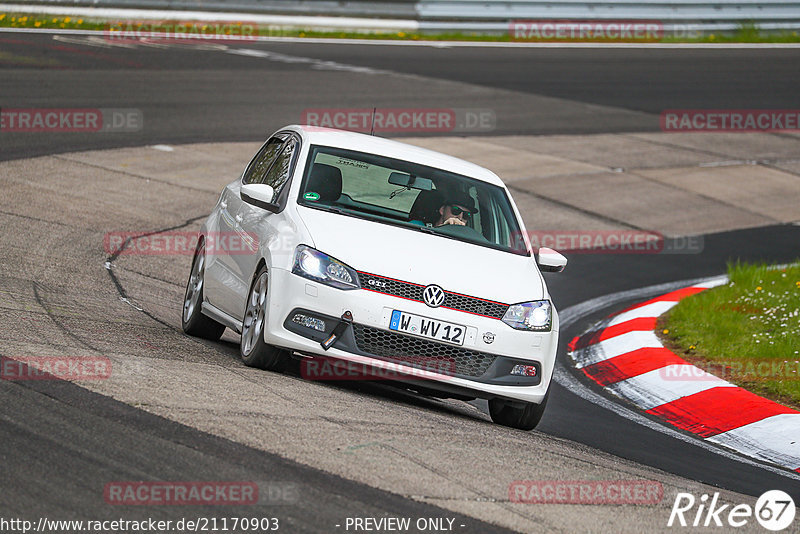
x=259 y=195
x=551 y=261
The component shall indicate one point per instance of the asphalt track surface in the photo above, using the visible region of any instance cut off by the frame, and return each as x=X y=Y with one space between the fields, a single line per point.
x=189 y=95
x=217 y=94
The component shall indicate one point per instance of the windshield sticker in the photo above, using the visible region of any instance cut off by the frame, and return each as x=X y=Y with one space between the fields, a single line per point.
x=311 y=196
x=353 y=163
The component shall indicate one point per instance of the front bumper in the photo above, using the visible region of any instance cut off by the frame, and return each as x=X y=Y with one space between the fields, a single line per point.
x=480 y=367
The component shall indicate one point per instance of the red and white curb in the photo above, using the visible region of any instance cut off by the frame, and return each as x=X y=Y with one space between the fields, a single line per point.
x=624 y=356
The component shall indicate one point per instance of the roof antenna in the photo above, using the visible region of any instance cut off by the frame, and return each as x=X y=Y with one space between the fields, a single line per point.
x=372 y=127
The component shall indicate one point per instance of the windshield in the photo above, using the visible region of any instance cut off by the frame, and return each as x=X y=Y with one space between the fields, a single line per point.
x=410 y=195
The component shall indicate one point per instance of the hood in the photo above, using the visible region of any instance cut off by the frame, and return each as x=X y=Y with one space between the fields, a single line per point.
x=421 y=258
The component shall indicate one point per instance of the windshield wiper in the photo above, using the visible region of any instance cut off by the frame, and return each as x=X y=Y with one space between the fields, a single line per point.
x=338 y=211
x=333 y=209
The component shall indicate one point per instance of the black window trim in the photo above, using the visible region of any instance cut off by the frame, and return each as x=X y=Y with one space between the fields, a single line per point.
x=283 y=195
x=300 y=201
x=258 y=152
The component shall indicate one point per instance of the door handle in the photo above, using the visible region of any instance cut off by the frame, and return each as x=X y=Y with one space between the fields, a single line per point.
x=238 y=218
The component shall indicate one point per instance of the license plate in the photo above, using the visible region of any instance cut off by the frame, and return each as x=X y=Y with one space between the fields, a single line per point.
x=429 y=328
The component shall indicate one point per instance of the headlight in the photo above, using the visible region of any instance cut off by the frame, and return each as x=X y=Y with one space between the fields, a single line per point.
x=313 y=264
x=536 y=316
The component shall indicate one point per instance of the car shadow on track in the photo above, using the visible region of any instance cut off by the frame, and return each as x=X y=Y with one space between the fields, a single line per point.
x=388 y=390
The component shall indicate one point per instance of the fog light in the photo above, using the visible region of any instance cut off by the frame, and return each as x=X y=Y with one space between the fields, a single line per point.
x=309 y=322
x=524 y=370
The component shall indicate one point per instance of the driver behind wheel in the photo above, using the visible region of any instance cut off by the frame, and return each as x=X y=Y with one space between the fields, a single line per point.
x=456 y=209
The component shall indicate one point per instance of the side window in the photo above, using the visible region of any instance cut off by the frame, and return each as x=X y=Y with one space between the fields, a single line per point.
x=278 y=175
x=256 y=172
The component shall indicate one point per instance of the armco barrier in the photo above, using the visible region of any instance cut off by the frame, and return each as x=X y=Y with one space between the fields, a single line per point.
x=491 y=16
x=351 y=8
x=661 y=10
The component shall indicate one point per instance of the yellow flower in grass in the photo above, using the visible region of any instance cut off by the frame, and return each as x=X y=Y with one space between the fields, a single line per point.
x=665 y=331
x=80 y=21
x=67 y=19
x=401 y=34
x=37 y=23
x=2 y=16
x=758 y=288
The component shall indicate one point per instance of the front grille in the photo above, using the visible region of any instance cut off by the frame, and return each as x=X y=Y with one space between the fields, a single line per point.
x=390 y=286
x=454 y=301
x=422 y=354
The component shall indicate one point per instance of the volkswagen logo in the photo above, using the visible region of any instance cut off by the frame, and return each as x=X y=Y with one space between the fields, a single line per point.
x=433 y=296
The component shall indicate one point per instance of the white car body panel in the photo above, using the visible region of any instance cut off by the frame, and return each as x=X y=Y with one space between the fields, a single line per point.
x=454 y=265
x=381 y=249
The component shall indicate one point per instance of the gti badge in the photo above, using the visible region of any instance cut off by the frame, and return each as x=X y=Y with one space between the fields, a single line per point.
x=488 y=338
x=433 y=296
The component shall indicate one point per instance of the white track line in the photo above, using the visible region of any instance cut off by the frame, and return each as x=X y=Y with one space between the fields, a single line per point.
x=616 y=346
x=714 y=282
x=654 y=309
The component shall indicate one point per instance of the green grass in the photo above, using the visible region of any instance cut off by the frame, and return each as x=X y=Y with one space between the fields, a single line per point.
x=747 y=33
x=747 y=331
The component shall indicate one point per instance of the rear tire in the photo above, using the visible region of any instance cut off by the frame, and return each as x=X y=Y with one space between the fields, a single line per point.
x=192 y=319
x=524 y=417
x=255 y=352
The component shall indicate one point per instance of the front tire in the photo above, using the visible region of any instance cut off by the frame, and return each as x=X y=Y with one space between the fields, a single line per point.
x=193 y=321
x=524 y=416
x=255 y=352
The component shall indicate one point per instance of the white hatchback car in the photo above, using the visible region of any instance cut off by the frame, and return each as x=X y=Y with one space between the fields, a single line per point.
x=361 y=249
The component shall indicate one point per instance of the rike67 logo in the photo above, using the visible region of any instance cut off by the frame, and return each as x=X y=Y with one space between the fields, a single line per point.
x=774 y=510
